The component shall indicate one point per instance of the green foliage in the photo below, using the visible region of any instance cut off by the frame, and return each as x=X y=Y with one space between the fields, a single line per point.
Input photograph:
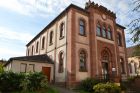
x=48 y=90
x=87 y=84
x=106 y=88
x=136 y=51
x=34 y=81
x=134 y=26
x=10 y=81
x=1 y=68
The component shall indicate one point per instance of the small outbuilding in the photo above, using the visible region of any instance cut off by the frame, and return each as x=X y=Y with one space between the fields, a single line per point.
x=37 y=63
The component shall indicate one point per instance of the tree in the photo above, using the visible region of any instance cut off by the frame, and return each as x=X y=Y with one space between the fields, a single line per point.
x=1 y=68
x=134 y=27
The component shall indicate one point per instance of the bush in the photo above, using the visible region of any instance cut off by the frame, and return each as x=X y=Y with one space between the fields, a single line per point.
x=34 y=81
x=106 y=88
x=1 y=68
x=10 y=81
x=87 y=84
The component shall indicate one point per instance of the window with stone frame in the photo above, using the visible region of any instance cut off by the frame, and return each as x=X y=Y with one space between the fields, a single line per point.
x=43 y=42
x=31 y=67
x=37 y=44
x=119 y=39
x=51 y=38
x=62 y=28
x=98 y=29
x=61 y=63
x=23 y=67
x=82 y=59
x=130 y=68
x=32 y=50
x=82 y=27
x=104 y=34
x=135 y=66
x=28 y=51
x=122 y=66
x=109 y=33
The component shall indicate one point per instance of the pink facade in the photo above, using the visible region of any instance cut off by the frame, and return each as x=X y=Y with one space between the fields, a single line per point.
x=93 y=45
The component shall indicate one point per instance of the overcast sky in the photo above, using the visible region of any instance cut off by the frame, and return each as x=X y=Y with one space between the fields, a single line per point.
x=21 y=20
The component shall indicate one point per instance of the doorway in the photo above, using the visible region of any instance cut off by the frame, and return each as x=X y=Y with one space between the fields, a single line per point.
x=47 y=71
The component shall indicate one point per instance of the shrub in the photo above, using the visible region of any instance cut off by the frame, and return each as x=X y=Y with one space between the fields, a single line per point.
x=10 y=81
x=106 y=88
x=87 y=84
x=34 y=81
x=1 y=68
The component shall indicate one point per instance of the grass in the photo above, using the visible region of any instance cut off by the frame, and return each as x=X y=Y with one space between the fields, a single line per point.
x=81 y=91
x=48 y=90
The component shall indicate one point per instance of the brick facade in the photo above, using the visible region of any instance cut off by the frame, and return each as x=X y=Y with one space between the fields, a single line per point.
x=93 y=45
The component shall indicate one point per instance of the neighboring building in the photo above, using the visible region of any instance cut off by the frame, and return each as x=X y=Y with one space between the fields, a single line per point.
x=83 y=43
x=133 y=62
x=1 y=62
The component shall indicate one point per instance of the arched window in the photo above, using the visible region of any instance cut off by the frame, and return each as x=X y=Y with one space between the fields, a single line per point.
x=122 y=66
x=139 y=65
x=130 y=68
x=104 y=31
x=135 y=66
x=32 y=50
x=82 y=66
x=37 y=47
x=82 y=27
x=105 y=57
x=109 y=33
x=61 y=62
x=43 y=42
x=28 y=51
x=98 y=29
x=51 y=37
x=119 y=38
x=62 y=30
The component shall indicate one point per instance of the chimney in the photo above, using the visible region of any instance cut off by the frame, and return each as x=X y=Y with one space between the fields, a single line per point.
x=88 y=3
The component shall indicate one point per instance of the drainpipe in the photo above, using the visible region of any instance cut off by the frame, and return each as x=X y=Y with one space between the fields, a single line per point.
x=66 y=51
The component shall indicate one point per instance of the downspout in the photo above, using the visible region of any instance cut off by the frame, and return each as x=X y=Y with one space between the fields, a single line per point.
x=55 y=51
x=66 y=51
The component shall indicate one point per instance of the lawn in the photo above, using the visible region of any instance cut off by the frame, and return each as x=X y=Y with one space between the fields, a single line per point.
x=48 y=90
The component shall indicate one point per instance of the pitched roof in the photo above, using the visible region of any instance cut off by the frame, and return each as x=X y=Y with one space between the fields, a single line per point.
x=37 y=58
x=133 y=51
x=60 y=15
x=130 y=51
x=53 y=21
x=120 y=26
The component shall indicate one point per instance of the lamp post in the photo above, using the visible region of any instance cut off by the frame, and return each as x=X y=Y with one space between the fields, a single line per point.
x=113 y=73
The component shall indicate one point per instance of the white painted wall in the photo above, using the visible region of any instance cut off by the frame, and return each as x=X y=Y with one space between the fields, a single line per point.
x=15 y=66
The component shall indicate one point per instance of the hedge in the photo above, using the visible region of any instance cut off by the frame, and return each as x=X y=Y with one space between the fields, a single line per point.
x=10 y=81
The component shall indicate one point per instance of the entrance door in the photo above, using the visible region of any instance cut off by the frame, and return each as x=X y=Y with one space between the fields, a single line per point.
x=47 y=71
x=105 y=70
x=105 y=65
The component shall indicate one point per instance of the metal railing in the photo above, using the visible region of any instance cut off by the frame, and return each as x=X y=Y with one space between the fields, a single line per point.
x=103 y=77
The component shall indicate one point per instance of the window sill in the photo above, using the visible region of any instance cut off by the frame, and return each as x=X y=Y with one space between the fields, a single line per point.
x=120 y=45
x=50 y=44
x=42 y=48
x=83 y=35
x=61 y=37
x=81 y=70
x=105 y=38
x=123 y=73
